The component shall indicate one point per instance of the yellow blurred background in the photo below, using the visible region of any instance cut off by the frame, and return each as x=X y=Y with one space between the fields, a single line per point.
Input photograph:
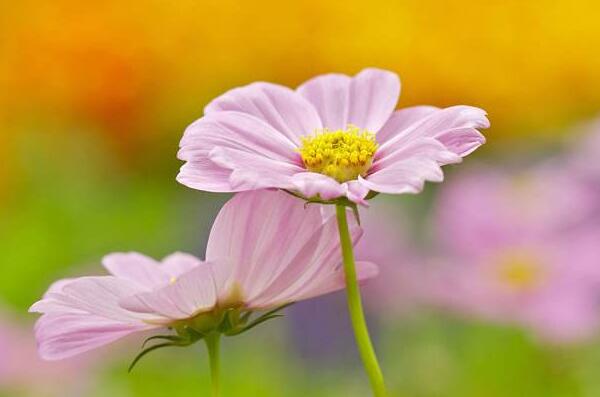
x=139 y=71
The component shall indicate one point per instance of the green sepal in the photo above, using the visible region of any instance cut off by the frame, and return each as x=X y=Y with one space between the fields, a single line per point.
x=148 y=350
x=171 y=338
x=253 y=324
x=261 y=319
x=186 y=336
x=231 y=323
x=355 y=212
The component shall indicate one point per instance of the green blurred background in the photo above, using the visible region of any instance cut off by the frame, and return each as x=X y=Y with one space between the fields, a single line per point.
x=94 y=97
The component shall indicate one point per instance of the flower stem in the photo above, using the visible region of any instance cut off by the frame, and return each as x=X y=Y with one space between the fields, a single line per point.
x=361 y=333
x=212 y=345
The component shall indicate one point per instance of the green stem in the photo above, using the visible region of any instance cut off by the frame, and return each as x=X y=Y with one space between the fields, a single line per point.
x=212 y=345
x=361 y=333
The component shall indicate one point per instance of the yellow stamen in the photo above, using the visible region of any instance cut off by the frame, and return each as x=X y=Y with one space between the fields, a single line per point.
x=340 y=154
x=520 y=271
x=172 y=280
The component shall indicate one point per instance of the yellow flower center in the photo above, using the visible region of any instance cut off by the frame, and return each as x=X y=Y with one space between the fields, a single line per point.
x=341 y=154
x=520 y=271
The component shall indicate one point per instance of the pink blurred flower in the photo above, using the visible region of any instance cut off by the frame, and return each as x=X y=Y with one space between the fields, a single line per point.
x=21 y=370
x=265 y=250
x=487 y=208
x=512 y=252
x=333 y=136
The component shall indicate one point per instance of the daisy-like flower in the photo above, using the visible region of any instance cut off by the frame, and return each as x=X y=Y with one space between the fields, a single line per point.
x=265 y=250
x=518 y=249
x=334 y=136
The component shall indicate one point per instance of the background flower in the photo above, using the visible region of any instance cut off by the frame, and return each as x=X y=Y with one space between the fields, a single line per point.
x=517 y=248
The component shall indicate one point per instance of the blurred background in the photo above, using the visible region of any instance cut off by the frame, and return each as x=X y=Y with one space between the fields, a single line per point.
x=490 y=282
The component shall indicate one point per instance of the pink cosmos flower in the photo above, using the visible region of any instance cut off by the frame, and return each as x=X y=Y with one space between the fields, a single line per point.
x=265 y=250
x=334 y=136
x=512 y=253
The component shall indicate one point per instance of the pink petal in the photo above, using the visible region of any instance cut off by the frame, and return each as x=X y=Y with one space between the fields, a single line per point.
x=231 y=151
x=91 y=295
x=279 y=106
x=406 y=177
x=425 y=148
x=137 y=268
x=462 y=141
x=356 y=192
x=57 y=286
x=402 y=119
x=329 y=94
x=202 y=174
x=55 y=305
x=313 y=263
x=100 y=296
x=366 y=100
x=179 y=263
x=335 y=281
x=311 y=184
x=84 y=314
x=254 y=235
x=373 y=96
x=190 y=294
x=252 y=171
x=441 y=123
x=235 y=130
x=66 y=335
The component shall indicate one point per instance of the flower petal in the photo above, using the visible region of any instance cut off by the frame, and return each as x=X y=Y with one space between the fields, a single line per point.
x=309 y=268
x=66 y=335
x=190 y=294
x=374 y=94
x=251 y=171
x=335 y=280
x=409 y=167
x=235 y=130
x=136 y=267
x=462 y=141
x=426 y=148
x=329 y=94
x=202 y=174
x=311 y=184
x=441 y=124
x=179 y=263
x=356 y=192
x=366 y=100
x=402 y=119
x=232 y=151
x=100 y=296
x=280 y=107
x=259 y=233
x=83 y=314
